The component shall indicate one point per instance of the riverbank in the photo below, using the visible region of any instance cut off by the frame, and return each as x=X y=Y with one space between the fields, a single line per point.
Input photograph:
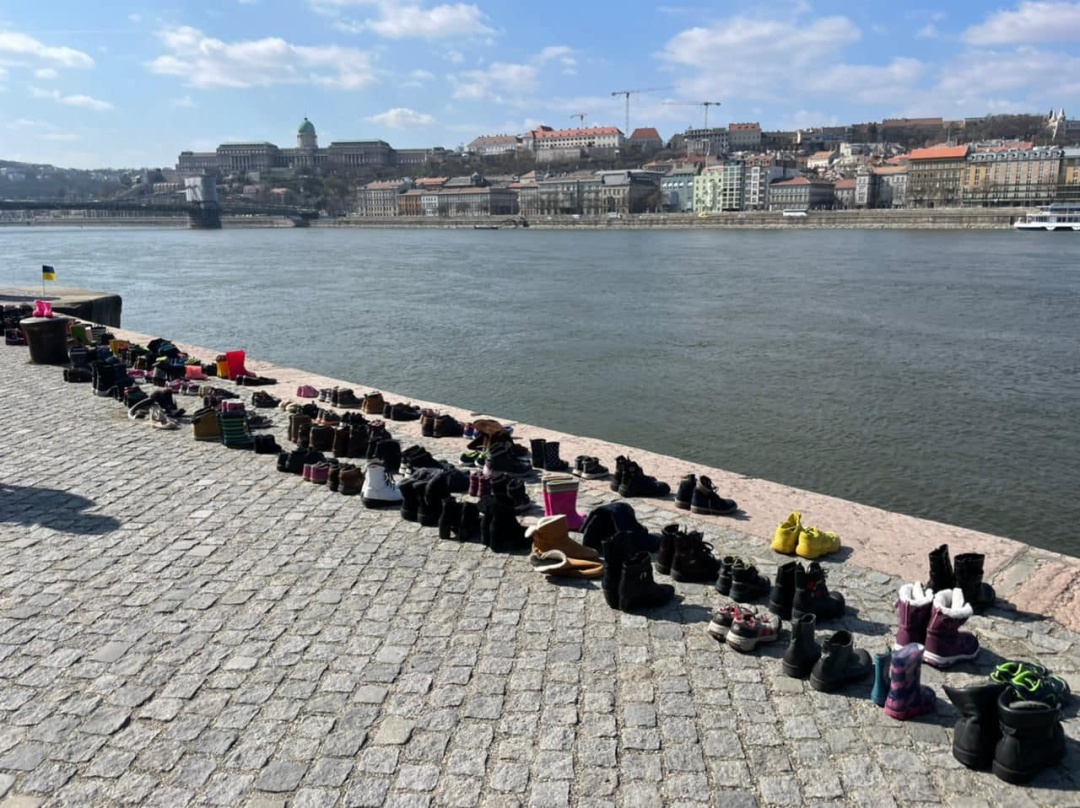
x=920 y=219
x=1027 y=579
x=182 y=624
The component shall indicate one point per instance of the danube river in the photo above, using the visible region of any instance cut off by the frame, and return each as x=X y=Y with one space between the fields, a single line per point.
x=932 y=373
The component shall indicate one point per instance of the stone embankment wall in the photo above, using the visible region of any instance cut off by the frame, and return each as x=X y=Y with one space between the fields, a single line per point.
x=921 y=219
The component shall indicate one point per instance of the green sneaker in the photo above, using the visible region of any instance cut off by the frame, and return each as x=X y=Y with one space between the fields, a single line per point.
x=1052 y=691
x=1004 y=673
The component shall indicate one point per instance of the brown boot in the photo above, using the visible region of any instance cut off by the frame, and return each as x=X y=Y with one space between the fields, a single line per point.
x=552 y=533
x=351 y=480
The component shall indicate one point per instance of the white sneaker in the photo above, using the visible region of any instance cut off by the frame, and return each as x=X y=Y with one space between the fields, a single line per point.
x=380 y=490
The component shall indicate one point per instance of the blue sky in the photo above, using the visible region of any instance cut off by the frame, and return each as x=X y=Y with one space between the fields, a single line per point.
x=127 y=84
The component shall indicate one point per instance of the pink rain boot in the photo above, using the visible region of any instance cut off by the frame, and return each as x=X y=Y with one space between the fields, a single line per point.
x=42 y=308
x=560 y=497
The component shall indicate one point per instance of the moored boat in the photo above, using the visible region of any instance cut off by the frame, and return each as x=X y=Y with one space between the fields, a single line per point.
x=1058 y=217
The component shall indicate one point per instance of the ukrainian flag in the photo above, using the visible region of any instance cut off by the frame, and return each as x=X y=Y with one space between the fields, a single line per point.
x=48 y=273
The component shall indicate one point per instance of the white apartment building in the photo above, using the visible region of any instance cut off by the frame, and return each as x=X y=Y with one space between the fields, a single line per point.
x=719 y=188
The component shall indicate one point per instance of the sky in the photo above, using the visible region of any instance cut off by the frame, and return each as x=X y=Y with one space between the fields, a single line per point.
x=127 y=84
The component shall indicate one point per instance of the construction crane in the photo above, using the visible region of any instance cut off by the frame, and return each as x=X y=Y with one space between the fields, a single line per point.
x=628 y=93
x=705 y=104
x=581 y=118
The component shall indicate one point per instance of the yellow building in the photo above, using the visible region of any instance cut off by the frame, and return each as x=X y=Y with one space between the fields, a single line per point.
x=1016 y=177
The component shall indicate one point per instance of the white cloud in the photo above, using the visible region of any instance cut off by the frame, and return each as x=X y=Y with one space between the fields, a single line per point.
x=46 y=73
x=60 y=137
x=208 y=62
x=928 y=31
x=183 y=102
x=394 y=20
x=495 y=83
x=20 y=46
x=1014 y=79
x=507 y=82
x=456 y=57
x=402 y=118
x=869 y=83
x=77 y=100
x=1033 y=21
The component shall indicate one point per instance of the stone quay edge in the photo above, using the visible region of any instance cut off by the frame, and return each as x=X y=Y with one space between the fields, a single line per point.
x=1026 y=578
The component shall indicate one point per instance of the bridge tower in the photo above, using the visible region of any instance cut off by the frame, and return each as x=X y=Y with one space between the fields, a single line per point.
x=203 y=208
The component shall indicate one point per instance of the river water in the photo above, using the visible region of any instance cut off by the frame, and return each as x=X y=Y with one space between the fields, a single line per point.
x=932 y=373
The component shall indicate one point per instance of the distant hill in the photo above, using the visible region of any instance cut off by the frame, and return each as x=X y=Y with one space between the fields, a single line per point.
x=43 y=181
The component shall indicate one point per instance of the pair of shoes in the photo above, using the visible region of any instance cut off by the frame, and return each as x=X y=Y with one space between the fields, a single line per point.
x=253 y=381
x=306 y=391
x=589 y=468
x=935 y=620
x=699 y=495
x=630 y=481
x=742 y=627
x=966 y=572
x=1003 y=730
x=800 y=590
x=160 y=419
x=545 y=455
x=346 y=478
x=791 y=537
x=555 y=553
x=1033 y=682
x=263 y=400
x=741 y=581
x=686 y=556
x=435 y=425
x=897 y=683
x=459 y=521
x=628 y=576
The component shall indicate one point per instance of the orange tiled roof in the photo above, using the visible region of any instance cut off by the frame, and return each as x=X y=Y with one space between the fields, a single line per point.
x=426 y=181
x=939 y=153
x=736 y=127
x=840 y=185
x=645 y=133
x=888 y=170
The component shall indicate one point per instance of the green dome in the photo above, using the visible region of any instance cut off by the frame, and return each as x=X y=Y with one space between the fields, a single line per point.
x=306 y=128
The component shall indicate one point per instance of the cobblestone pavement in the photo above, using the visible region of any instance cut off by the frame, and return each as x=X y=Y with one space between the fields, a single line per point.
x=182 y=624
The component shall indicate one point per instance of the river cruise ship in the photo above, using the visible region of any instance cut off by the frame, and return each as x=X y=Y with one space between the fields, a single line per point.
x=1052 y=217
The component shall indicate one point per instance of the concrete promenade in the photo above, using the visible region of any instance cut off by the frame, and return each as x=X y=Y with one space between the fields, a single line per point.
x=181 y=624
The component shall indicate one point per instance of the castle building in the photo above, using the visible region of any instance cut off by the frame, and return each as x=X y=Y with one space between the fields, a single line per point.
x=232 y=158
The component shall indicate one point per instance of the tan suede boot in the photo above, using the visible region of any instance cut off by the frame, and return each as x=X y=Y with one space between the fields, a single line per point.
x=555 y=563
x=553 y=533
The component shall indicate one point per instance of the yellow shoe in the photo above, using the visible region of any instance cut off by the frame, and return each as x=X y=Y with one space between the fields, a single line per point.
x=814 y=543
x=787 y=534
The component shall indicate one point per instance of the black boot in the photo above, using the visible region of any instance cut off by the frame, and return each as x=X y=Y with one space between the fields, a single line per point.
x=620 y=470
x=977 y=729
x=536 y=449
x=968 y=573
x=812 y=595
x=694 y=561
x=470 y=522
x=432 y=495
x=802 y=652
x=1031 y=738
x=410 y=489
x=783 y=590
x=506 y=532
x=941 y=570
x=486 y=508
x=723 y=580
x=747 y=584
x=668 y=536
x=615 y=551
x=637 y=589
x=450 y=519
x=552 y=461
x=684 y=494
x=840 y=663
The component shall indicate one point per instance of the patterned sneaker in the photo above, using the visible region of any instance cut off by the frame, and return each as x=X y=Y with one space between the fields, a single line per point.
x=750 y=629
x=722 y=618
